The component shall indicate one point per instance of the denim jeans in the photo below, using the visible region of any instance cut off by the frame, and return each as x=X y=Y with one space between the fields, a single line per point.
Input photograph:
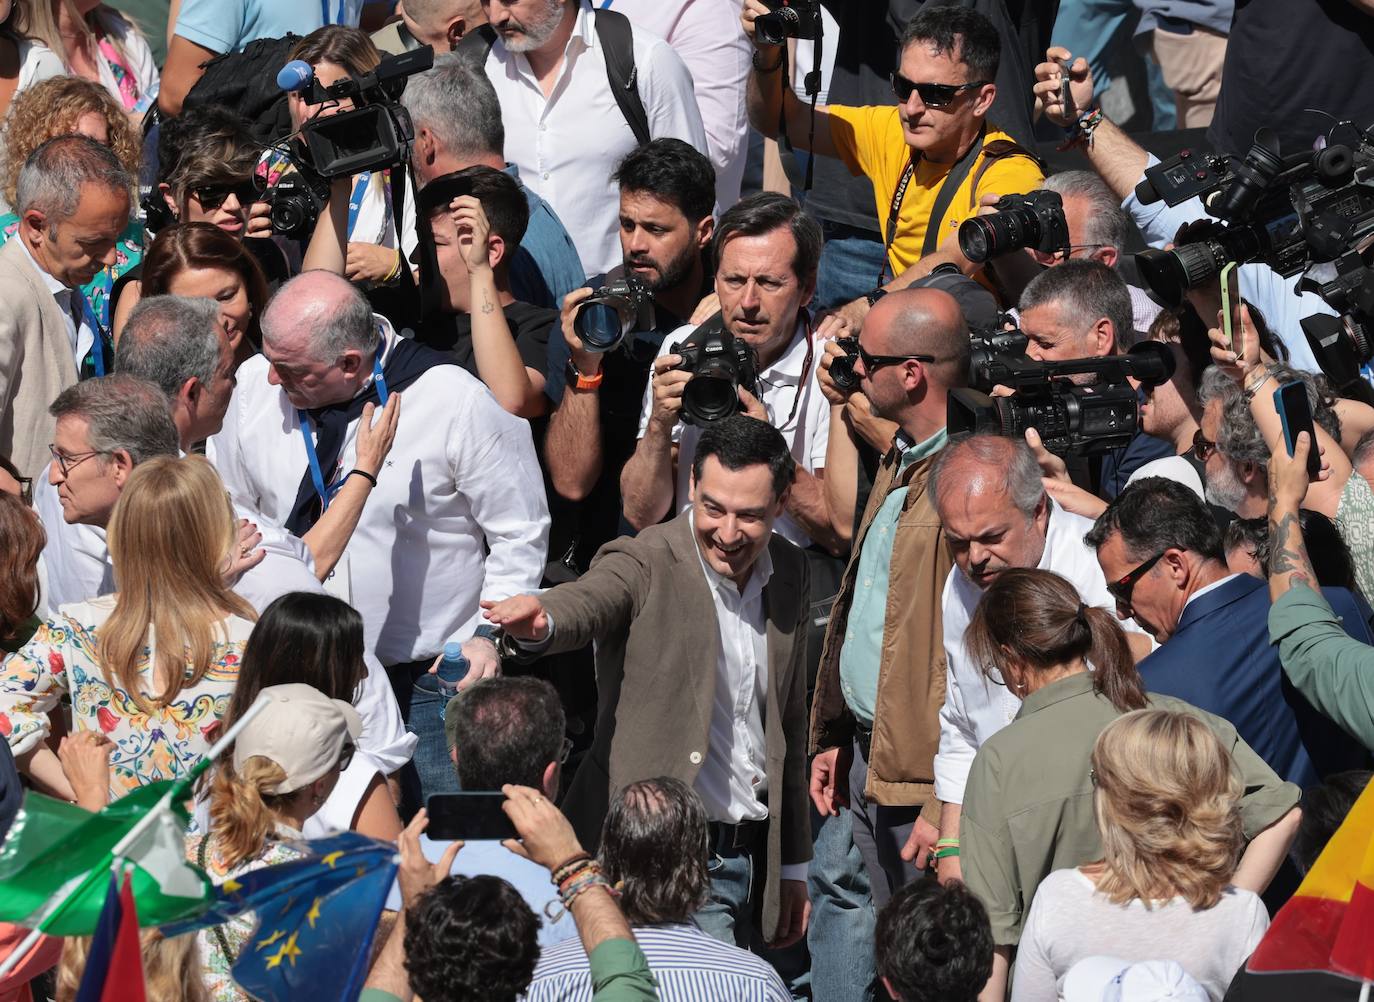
x=840 y=937
x=421 y=702
x=848 y=268
x=879 y=833
x=1092 y=29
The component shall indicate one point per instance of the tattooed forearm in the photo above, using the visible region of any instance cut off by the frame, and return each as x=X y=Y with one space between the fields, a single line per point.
x=1288 y=553
x=487 y=305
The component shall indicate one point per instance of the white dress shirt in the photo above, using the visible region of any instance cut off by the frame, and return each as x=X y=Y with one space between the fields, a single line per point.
x=461 y=479
x=568 y=145
x=81 y=335
x=795 y=405
x=976 y=707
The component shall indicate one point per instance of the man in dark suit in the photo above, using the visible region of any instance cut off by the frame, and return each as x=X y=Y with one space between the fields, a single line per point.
x=700 y=627
x=1161 y=553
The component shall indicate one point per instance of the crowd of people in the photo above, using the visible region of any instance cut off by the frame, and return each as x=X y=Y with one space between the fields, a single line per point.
x=600 y=447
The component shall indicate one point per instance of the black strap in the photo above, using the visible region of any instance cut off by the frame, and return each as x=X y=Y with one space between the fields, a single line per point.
x=943 y=197
x=616 y=38
x=476 y=45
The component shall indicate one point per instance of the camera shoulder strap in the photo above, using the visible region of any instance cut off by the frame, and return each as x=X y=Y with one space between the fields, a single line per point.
x=475 y=46
x=943 y=197
x=999 y=149
x=616 y=37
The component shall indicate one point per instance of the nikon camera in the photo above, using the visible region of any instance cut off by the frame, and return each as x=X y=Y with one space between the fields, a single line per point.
x=720 y=364
x=788 y=19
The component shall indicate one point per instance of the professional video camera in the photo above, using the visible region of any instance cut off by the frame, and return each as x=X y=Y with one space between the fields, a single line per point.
x=1032 y=220
x=720 y=364
x=788 y=19
x=1070 y=417
x=613 y=312
x=374 y=135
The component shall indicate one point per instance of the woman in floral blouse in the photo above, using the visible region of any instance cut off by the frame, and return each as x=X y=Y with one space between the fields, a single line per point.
x=159 y=703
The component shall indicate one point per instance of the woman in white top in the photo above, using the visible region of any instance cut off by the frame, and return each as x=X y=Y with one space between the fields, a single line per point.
x=98 y=43
x=151 y=667
x=1167 y=802
x=23 y=60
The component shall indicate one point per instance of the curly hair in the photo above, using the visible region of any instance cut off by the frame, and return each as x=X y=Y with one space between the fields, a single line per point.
x=934 y=943
x=1168 y=809
x=52 y=108
x=471 y=939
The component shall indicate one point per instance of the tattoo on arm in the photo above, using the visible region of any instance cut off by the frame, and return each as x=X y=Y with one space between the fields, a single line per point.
x=487 y=305
x=1288 y=552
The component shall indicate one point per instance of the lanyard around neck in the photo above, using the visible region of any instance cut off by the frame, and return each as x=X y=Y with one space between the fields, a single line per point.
x=327 y=491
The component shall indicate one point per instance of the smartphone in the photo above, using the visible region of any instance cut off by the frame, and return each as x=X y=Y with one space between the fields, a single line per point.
x=465 y=815
x=1230 y=309
x=1290 y=400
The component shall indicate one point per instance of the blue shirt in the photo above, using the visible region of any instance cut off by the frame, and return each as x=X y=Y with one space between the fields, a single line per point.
x=1119 y=464
x=861 y=653
x=229 y=25
x=546 y=267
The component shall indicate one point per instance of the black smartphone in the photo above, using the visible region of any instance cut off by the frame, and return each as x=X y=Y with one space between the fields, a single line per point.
x=1290 y=400
x=476 y=815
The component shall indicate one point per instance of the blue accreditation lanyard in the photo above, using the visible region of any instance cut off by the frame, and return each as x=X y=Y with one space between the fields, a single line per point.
x=327 y=491
x=338 y=17
x=97 y=332
x=355 y=202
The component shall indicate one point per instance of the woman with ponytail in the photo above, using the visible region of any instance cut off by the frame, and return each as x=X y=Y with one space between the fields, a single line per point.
x=1029 y=805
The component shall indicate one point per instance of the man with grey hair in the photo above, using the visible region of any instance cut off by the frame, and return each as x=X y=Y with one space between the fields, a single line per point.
x=457 y=120
x=996 y=515
x=73 y=200
x=457 y=515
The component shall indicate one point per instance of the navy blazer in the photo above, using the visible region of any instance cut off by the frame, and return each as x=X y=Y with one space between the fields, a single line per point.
x=1220 y=660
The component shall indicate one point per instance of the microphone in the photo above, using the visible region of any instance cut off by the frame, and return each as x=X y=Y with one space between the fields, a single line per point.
x=295 y=75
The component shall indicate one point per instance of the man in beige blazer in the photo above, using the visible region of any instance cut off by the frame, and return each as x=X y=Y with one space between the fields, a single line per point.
x=73 y=202
x=700 y=630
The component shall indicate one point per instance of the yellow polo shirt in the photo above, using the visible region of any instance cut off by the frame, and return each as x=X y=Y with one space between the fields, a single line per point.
x=870 y=142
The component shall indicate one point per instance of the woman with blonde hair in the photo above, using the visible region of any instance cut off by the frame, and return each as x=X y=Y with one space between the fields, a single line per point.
x=151 y=667
x=99 y=44
x=1168 y=811
x=1028 y=807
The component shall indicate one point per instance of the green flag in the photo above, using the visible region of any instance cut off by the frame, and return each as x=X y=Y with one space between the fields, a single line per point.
x=55 y=864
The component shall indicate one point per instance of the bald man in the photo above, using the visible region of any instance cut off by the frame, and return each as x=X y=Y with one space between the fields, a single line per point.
x=875 y=717
x=996 y=514
x=437 y=23
x=457 y=513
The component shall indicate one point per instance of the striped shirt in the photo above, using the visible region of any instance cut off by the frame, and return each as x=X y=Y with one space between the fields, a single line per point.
x=688 y=965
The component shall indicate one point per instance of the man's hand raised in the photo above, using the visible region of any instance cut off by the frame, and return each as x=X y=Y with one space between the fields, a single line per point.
x=522 y=616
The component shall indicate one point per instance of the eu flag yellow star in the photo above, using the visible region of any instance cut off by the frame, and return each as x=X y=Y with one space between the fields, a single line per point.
x=288 y=951
x=332 y=858
x=231 y=886
x=314 y=912
x=265 y=943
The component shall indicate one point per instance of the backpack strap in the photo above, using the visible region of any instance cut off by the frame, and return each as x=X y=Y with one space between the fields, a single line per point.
x=616 y=38
x=475 y=46
x=999 y=149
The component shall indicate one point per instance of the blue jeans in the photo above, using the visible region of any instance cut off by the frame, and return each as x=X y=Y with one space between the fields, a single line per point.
x=1092 y=29
x=421 y=702
x=842 y=917
x=848 y=268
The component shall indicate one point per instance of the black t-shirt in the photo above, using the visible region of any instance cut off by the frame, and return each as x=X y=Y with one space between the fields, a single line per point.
x=530 y=326
x=1284 y=57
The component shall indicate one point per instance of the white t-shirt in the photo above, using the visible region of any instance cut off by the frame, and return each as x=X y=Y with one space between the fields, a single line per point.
x=1069 y=921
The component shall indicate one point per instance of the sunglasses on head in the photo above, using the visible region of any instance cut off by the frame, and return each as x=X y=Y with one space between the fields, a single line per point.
x=933 y=95
x=212 y=196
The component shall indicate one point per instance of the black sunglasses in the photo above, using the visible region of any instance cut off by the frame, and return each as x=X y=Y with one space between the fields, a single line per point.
x=1202 y=448
x=933 y=95
x=346 y=755
x=212 y=196
x=1122 y=588
x=872 y=363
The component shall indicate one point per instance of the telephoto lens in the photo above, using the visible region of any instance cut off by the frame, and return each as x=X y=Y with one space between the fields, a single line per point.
x=1034 y=220
x=610 y=314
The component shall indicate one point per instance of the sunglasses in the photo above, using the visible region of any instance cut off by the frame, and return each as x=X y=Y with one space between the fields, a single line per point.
x=933 y=95
x=212 y=196
x=1122 y=588
x=346 y=755
x=1202 y=448
x=872 y=363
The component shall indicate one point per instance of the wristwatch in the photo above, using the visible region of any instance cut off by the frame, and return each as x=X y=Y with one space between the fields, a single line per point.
x=875 y=295
x=580 y=382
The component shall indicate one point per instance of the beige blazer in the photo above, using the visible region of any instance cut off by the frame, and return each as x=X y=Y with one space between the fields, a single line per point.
x=36 y=360
x=646 y=603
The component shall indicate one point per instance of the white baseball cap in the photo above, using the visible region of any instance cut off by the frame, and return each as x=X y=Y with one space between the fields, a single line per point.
x=1111 y=979
x=302 y=730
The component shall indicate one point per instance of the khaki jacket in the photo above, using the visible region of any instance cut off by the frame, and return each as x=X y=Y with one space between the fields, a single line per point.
x=911 y=677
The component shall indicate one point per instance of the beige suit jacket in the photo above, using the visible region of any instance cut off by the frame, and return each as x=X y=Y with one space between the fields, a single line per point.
x=36 y=360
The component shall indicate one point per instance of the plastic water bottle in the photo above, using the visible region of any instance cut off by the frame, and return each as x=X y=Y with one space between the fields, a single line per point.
x=453 y=666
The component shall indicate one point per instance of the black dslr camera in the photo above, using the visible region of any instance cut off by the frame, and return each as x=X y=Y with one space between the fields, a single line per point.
x=613 y=312
x=720 y=364
x=1031 y=220
x=1070 y=418
x=788 y=19
x=842 y=372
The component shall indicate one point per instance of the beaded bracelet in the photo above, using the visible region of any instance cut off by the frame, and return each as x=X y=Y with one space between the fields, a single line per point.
x=1083 y=129
x=569 y=866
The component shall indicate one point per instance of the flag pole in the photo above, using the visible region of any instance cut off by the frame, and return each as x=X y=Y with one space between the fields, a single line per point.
x=1364 y=991
x=116 y=854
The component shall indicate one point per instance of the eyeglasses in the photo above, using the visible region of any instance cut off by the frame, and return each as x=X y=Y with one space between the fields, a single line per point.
x=1122 y=588
x=346 y=755
x=933 y=95
x=565 y=751
x=1067 y=252
x=872 y=363
x=212 y=196
x=68 y=463
x=1202 y=448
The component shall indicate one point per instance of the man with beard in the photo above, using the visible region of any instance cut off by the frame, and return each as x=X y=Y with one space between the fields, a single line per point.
x=565 y=129
x=667 y=190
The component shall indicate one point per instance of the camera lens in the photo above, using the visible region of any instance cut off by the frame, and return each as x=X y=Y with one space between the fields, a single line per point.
x=984 y=237
x=711 y=394
x=842 y=373
x=599 y=327
x=776 y=27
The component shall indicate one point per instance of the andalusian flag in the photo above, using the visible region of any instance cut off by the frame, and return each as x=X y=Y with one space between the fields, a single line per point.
x=55 y=865
x=1328 y=925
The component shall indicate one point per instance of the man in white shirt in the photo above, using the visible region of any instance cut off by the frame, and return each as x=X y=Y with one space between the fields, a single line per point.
x=73 y=200
x=458 y=511
x=766 y=252
x=564 y=128
x=996 y=515
x=700 y=626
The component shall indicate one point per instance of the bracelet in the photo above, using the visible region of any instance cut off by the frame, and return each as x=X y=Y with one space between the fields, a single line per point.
x=1082 y=131
x=754 y=59
x=565 y=869
x=1252 y=387
x=946 y=853
x=946 y=843
x=395 y=271
x=361 y=473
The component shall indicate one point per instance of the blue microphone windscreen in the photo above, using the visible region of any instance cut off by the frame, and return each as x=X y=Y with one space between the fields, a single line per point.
x=295 y=75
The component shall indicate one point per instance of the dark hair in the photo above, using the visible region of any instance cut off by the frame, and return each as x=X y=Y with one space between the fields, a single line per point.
x=1331 y=559
x=471 y=939
x=739 y=441
x=1155 y=514
x=21 y=544
x=204 y=145
x=505 y=730
x=961 y=33
x=1084 y=291
x=672 y=171
x=502 y=201
x=654 y=842
x=765 y=212
x=933 y=942
x=187 y=246
x=348 y=48
x=1324 y=809
x=1184 y=328
x=1038 y=618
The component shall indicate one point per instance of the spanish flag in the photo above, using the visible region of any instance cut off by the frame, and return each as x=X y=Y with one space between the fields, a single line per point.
x=1328 y=925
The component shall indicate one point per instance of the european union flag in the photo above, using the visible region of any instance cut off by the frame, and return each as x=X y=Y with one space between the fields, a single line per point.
x=316 y=919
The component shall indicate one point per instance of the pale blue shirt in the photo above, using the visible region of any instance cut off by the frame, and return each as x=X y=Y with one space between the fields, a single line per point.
x=229 y=25
x=862 y=651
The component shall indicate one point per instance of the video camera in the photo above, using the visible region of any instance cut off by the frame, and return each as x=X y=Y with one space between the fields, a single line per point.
x=1034 y=220
x=720 y=364
x=1070 y=417
x=374 y=135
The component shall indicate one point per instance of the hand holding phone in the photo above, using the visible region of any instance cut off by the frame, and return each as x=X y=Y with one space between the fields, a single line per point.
x=468 y=815
x=1290 y=400
x=1231 y=321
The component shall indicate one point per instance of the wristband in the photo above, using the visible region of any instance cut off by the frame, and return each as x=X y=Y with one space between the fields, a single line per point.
x=875 y=295
x=1252 y=387
x=754 y=59
x=581 y=382
x=948 y=852
x=486 y=632
x=1082 y=130
x=361 y=473
x=395 y=271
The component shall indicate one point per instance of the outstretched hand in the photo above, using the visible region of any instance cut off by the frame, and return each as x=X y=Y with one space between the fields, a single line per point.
x=522 y=616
